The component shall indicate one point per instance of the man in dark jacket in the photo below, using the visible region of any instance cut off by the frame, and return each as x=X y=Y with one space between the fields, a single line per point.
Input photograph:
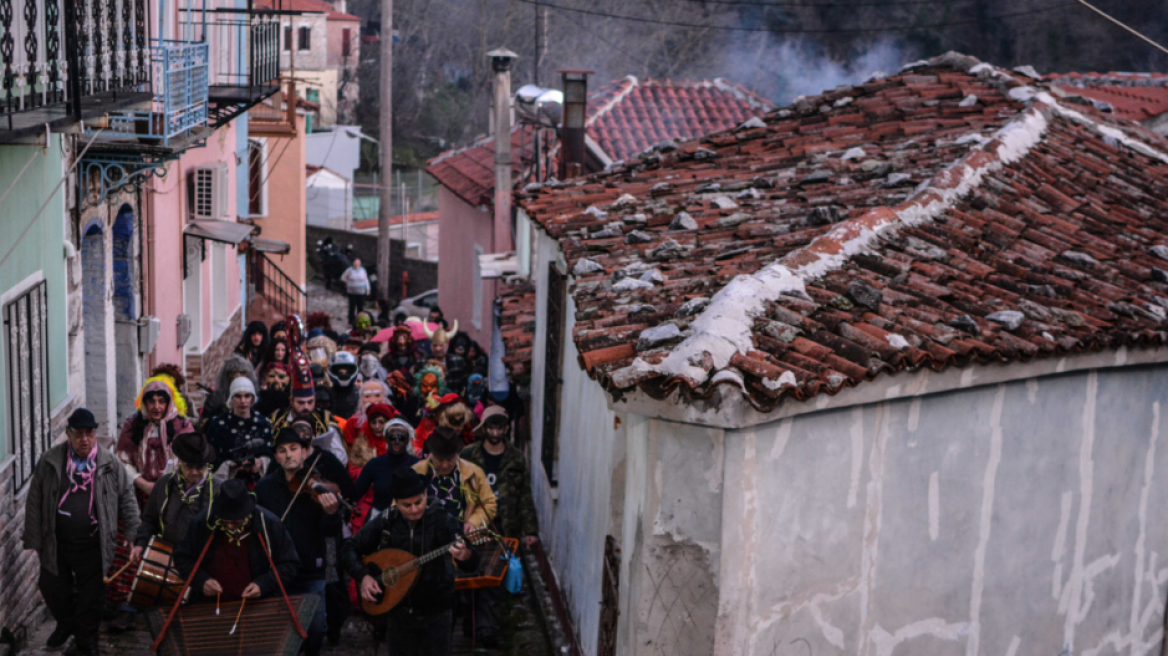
x=419 y=625
x=178 y=497
x=236 y=565
x=309 y=523
x=77 y=494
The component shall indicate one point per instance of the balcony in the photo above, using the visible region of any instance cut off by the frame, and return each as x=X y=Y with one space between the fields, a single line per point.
x=63 y=61
x=245 y=67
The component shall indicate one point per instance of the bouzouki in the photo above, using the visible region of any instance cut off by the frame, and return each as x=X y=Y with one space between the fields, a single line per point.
x=396 y=571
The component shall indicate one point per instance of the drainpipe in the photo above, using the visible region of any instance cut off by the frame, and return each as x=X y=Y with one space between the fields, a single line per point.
x=501 y=60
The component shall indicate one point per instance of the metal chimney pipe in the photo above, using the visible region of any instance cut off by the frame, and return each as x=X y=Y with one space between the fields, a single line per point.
x=575 y=87
x=501 y=60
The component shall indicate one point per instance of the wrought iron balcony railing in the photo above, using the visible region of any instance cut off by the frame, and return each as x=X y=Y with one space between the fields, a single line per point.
x=65 y=60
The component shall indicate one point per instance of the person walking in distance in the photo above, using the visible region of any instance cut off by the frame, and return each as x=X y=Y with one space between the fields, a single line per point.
x=78 y=494
x=356 y=281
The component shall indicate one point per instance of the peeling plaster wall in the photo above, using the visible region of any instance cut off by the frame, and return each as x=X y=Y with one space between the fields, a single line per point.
x=1006 y=519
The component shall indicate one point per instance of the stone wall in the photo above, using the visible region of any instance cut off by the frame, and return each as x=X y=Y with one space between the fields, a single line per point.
x=423 y=274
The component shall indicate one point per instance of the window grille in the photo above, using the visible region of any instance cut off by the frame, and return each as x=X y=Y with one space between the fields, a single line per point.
x=553 y=372
x=27 y=377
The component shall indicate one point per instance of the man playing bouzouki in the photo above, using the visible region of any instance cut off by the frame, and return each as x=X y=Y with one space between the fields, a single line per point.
x=421 y=624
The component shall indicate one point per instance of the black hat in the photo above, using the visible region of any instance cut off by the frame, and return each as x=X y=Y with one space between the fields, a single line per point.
x=288 y=435
x=444 y=442
x=193 y=448
x=407 y=483
x=234 y=501
x=82 y=418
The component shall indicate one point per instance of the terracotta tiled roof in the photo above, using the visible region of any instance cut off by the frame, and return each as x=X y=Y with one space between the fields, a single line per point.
x=624 y=118
x=419 y=217
x=517 y=322
x=321 y=6
x=1134 y=96
x=949 y=215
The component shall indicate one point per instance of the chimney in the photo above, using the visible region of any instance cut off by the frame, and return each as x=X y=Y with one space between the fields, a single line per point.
x=501 y=60
x=575 y=87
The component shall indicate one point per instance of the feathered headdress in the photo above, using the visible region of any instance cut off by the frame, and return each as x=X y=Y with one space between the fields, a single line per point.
x=162 y=383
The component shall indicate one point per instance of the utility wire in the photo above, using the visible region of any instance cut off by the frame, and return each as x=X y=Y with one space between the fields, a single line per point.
x=816 y=5
x=1100 y=12
x=731 y=28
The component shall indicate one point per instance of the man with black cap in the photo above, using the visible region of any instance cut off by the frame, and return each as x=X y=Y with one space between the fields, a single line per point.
x=420 y=625
x=237 y=565
x=179 y=496
x=459 y=486
x=78 y=493
x=309 y=523
x=320 y=428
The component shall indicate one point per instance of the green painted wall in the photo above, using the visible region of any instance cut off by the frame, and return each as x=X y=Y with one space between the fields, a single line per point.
x=42 y=248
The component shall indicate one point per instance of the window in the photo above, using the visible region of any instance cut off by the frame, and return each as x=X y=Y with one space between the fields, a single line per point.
x=305 y=38
x=287 y=38
x=346 y=40
x=553 y=365
x=26 y=339
x=313 y=95
x=257 y=192
x=476 y=282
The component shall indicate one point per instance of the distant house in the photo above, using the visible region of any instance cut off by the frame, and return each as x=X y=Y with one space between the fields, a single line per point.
x=419 y=231
x=884 y=372
x=624 y=118
x=1139 y=97
x=329 y=198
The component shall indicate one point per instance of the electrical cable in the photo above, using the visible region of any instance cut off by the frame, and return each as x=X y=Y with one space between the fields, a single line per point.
x=807 y=5
x=1113 y=20
x=731 y=28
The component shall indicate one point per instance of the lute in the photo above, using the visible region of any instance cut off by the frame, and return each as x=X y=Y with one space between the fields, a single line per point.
x=396 y=571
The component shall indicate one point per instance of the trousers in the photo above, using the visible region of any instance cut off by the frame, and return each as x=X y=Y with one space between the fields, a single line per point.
x=74 y=594
x=420 y=635
x=319 y=624
x=356 y=304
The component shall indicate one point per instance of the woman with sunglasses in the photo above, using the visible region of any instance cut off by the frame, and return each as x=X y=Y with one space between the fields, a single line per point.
x=378 y=472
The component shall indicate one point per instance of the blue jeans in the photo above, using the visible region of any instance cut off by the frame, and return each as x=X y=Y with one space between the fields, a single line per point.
x=319 y=624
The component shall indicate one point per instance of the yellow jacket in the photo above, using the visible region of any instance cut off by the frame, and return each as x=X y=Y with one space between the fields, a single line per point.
x=481 y=505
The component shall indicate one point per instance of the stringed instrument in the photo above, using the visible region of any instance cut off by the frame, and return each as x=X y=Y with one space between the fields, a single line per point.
x=396 y=571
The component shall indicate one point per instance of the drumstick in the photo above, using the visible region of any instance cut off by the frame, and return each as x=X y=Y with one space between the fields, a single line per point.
x=233 y=626
x=218 y=596
x=107 y=579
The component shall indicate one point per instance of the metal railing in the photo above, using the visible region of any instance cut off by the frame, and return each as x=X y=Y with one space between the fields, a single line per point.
x=180 y=95
x=245 y=43
x=281 y=292
x=52 y=57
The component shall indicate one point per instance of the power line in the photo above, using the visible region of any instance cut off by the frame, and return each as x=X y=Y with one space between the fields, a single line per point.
x=731 y=28
x=849 y=5
x=1100 y=12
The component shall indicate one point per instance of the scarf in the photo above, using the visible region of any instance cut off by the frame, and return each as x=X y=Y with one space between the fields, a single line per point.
x=80 y=472
x=154 y=454
x=189 y=496
x=234 y=536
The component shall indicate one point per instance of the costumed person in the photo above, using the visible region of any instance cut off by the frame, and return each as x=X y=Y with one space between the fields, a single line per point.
x=430 y=381
x=460 y=486
x=403 y=352
x=402 y=396
x=144 y=448
x=506 y=471
x=176 y=376
x=276 y=393
x=235 y=366
x=352 y=344
x=277 y=352
x=346 y=394
x=458 y=367
x=477 y=358
x=279 y=330
x=440 y=342
x=364 y=443
x=449 y=411
x=73 y=529
x=254 y=343
x=310 y=522
x=370 y=367
x=179 y=495
x=236 y=564
x=421 y=624
x=476 y=393
x=378 y=472
x=319 y=348
x=437 y=316
x=242 y=436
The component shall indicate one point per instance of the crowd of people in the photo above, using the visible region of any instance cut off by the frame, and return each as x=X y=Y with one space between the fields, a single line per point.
x=312 y=450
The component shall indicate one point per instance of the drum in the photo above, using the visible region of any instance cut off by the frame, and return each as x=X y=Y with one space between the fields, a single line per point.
x=157 y=582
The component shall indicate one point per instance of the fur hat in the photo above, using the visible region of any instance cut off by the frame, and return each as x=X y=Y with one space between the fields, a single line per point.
x=444 y=442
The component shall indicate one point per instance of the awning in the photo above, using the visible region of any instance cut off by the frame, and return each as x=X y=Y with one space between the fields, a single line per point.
x=276 y=246
x=227 y=232
x=498 y=265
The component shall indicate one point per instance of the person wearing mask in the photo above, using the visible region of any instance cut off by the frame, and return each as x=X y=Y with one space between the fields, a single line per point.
x=342 y=373
x=364 y=441
x=378 y=472
x=309 y=522
x=73 y=529
x=237 y=564
x=179 y=495
x=242 y=436
x=357 y=287
x=254 y=343
x=275 y=395
x=421 y=624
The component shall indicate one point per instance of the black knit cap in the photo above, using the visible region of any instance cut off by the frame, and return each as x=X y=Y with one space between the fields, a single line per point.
x=407 y=483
